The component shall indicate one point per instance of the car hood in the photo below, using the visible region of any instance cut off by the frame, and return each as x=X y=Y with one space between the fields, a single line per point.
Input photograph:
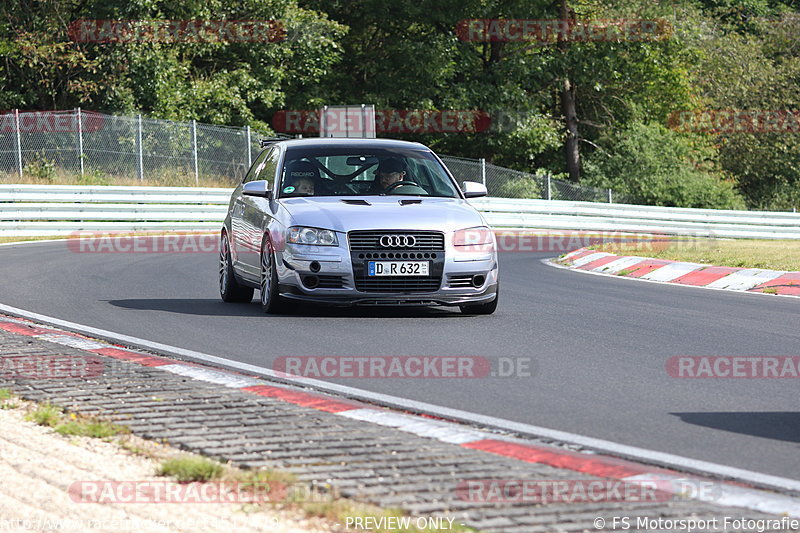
x=346 y=213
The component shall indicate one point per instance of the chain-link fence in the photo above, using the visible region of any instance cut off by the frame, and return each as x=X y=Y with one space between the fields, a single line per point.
x=94 y=148
x=508 y=183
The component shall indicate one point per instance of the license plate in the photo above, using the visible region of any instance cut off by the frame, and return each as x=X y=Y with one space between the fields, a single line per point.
x=398 y=268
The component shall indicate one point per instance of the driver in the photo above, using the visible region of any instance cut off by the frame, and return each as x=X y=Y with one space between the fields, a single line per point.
x=390 y=171
x=301 y=178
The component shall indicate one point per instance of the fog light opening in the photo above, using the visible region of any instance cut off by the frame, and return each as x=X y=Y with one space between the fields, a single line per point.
x=478 y=280
x=310 y=282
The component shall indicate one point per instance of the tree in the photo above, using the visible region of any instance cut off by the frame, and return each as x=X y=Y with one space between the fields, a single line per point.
x=225 y=81
x=651 y=164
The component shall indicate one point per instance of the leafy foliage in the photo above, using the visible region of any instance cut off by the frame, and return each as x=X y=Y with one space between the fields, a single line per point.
x=651 y=164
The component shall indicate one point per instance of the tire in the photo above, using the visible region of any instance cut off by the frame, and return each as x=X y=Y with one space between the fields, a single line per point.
x=271 y=301
x=229 y=289
x=482 y=309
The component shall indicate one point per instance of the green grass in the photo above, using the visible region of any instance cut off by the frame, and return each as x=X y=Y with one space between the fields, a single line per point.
x=742 y=253
x=45 y=415
x=52 y=416
x=5 y=396
x=164 y=178
x=89 y=428
x=191 y=468
x=22 y=239
x=254 y=477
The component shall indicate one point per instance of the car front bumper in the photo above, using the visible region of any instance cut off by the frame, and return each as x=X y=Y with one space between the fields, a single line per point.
x=299 y=264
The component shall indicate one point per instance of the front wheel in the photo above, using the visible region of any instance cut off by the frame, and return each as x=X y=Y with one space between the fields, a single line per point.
x=271 y=302
x=229 y=289
x=482 y=309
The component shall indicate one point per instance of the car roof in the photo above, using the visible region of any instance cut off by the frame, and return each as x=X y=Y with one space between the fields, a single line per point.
x=358 y=143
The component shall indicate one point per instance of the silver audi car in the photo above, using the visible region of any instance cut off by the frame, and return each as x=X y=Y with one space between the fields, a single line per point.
x=356 y=222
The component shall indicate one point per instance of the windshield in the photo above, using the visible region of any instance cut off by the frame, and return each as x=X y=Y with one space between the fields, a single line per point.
x=348 y=171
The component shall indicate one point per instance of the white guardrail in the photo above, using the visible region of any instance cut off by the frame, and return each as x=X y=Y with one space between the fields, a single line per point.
x=41 y=210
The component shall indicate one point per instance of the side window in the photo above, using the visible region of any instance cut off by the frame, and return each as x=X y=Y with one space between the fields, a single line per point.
x=267 y=170
x=256 y=166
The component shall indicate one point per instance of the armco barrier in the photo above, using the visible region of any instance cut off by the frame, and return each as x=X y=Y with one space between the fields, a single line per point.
x=38 y=210
x=556 y=214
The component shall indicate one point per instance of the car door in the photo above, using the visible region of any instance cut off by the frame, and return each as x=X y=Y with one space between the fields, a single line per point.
x=256 y=213
x=239 y=237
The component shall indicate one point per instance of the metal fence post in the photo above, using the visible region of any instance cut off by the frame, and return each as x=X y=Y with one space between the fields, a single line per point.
x=249 y=148
x=139 y=147
x=194 y=152
x=483 y=171
x=19 y=142
x=80 y=140
x=549 y=189
x=609 y=196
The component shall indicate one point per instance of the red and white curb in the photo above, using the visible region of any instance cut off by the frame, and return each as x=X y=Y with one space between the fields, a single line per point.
x=728 y=494
x=753 y=280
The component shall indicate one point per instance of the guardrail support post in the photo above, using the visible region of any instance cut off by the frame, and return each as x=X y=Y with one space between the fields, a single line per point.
x=609 y=196
x=139 y=148
x=483 y=171
x=19 y=142
x=80 y=140
x=194 y=152
x=249 y=149
x=549 y=189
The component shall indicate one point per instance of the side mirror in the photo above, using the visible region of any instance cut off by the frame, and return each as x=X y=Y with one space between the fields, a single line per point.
x=259 y=188
x=473 y=189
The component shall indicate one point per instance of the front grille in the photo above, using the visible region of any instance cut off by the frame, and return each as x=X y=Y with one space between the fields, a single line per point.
x=397 y=284
x=460 y=280
x=330 y=282
x=370 y=240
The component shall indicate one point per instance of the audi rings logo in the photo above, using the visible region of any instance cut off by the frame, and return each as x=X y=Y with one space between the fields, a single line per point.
x=398 y=241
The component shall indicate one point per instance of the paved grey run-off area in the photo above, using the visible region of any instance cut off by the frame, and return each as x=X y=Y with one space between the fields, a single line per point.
x=369 y=463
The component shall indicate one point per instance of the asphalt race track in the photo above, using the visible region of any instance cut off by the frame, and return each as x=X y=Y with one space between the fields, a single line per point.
x=598 y=345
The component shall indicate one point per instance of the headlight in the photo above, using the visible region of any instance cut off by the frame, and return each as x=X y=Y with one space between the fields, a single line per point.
x=478 y=239
x=319 y=237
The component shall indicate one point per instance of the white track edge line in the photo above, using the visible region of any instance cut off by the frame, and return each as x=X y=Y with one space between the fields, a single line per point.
x=641 y=454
